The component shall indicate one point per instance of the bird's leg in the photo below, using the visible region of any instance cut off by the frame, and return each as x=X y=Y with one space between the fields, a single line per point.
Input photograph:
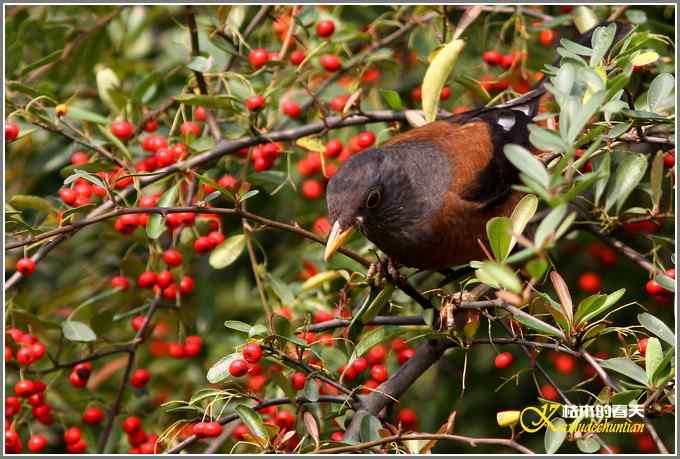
x=384 y=268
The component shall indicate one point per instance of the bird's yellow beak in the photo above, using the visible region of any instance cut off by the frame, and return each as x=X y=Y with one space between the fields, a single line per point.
x=336 y=238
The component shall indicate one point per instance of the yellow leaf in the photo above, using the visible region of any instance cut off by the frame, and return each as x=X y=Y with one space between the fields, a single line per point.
x=437 y=74
x=645 y=58
x=311 y=144
x=507 y=418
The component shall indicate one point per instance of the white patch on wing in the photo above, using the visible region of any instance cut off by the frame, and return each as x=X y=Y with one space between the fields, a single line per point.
x=506 y=122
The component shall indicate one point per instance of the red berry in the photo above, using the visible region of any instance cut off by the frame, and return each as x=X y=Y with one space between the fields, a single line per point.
x=238 y=368
x=285 y=419
x=669 y=159
x=652 y=287
x=360 y=365
x=379 y=373
x=147 y=279
x=192 y=346
x=330 y=62
x=212 y=429
x=24 y=388
x=26 y=266
x=405 y=355
x=565 y=364
x=200 y=114
x=365 y=139
x=12 y=441
x=179 y=151
x=93 y=416
x=240 y=432
x=176 y=351
x=83 y=369
x=333 y=148
x=291 y=108
x=137 y=437
x=77 y=381
x=68 y=196
x=154 y=143
x=120 y=282
x=79 y=157
x=508 y=61
x=190 y=128
x=296 y=57
x=376 y=355
x=252 y=352
x=445 y=93
x=642 y=346
x=408 y=417
x=132 y=424
x=151 y=125
x=338 y=103
x=25 y=356
x=216 y=238
x=566 y=8
x=140 y=377
x=12 y=406
x=643 y=226
x=122 y=129
x=172 y=257
x=203 y=245
x=38 y=350
x=72 y=435
x=186 y=285
x=170 y=292
x=126 y=224
x=37 y=443
x=325 y=28
x=258 y=57
x=670 y=272
x=589 y=282
x=298 y=380
x=312 y=189
x=492 y=57
x=164 y=278
x=11 y=131
x=549 y=392
x=255 y=103
x=546 y=37
x=336 y=436
x=503 y=360
x=417 y=94
x=36 y=399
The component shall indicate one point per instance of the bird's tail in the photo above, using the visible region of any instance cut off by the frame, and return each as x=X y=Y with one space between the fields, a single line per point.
x=530 y=102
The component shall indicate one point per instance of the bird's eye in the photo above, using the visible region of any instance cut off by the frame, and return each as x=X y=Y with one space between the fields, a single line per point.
x=373 y=199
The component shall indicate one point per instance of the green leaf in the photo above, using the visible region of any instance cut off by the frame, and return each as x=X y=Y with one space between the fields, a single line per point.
x=553 y=440
x=547 y=140
x=549 y=224
x=319 y=279
x=537 y=267
x=501 y=275
x=628 y=176
x=499 y=232
x=147 y=83
x=86 y=115
x=656 y=179
x=368 y=310
x=636 y=16
x=527 y=163
x=253 y=421
x=587 y=445
x=53 y=56
x=587 y=111
x=393 y=99
x=523 y=212
x=660 y=89
x=77 y=331
x=25 y=202
x=625 y=397
x=200 y=64
x=437 y=74
x=653 y=357
x=156 y=227
x=564 y=80
x=626 y=367
x=220 y=370
x=657 y=327
x=370 y=428
x=281 y=289
x=371 y=338
x=589 y=307
x=80 y=173
x=533 y=323
x=311 y=390
x=602 y=39
x=666 y=282
x=238 y=326
x=107 y=81
x=665 y=368
x=221 y=101
x=584 y=18
x=227 y=252
x=575 y=47
x=602 y=166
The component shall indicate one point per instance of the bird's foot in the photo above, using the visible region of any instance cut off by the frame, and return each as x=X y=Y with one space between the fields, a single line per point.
x=383 y=269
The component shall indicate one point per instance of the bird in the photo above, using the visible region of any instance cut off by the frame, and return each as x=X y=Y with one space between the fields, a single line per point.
x=424 y=196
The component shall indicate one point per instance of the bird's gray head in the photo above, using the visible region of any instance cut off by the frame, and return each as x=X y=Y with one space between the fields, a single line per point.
x=384 y=192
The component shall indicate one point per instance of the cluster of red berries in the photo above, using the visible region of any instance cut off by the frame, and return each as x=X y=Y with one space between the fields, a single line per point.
x=29 y=351
x=493 y=58
x=162 y=282
x=34 y=394
x=82 y=192
x=660 y=294
x=140 y=441
x=417 y=94
x=252 y=353
x=160 y=154
x=263 y=156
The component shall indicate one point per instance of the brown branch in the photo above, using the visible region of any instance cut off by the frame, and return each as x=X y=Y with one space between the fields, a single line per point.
x=92 y=357
x=264 y=404
x=115 y=407
x=624 y=249
x=472 y=441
